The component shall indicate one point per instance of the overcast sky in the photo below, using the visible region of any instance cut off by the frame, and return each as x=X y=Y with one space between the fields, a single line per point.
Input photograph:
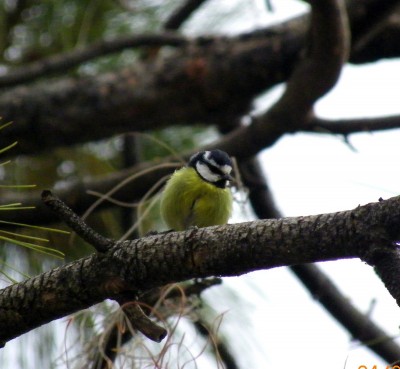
x=271 y=320
x=312 y=174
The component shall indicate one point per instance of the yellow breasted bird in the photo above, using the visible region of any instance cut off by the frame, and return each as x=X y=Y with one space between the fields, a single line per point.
x=197 y=194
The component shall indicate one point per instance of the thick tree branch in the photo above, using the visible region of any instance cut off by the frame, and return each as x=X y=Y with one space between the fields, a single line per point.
x=369 y=232
x=328 y=51
x=63 y=62
x=313 y=77
x=371 y=20
x=181 y=86
x=133 y=311
x=375 y=29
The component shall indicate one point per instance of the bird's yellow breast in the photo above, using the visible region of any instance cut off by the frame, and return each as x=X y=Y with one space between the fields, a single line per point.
x=188 y=201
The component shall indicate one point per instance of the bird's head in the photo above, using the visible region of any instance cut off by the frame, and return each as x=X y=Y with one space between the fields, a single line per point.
x=213 y=166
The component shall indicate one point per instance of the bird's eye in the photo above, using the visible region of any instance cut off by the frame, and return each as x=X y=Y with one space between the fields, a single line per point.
x=215 y=170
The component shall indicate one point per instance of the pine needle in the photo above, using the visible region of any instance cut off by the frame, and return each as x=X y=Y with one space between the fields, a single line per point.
x=11 y=279
x=35 y=227
x=33 y=238
x=38 y=248
x=5 y=163
x=4 y=149
x=5 y=125
x=14 y=269
x=17 y=206
x=17 y=186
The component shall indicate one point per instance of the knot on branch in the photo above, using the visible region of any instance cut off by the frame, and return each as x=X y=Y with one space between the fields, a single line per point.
x=376 y=232
x=371 y=234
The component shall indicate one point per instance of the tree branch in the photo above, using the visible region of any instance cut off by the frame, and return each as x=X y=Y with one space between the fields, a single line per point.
x=313 y=77
x=181 y=14
x=350 y=126
x=262 y=133
x=375 y=30
x=133 y=312
x=63 y=62
x=75 y=193
x=116 y=338
x=101 y=244
x=126 y=185
x=181 y=86
x=219 y=347
x=367 y=16
x=359 y=325
x=368 y=232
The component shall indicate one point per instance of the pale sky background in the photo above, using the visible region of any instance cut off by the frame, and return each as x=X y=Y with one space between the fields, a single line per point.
x=274 y=322
x=311 y=174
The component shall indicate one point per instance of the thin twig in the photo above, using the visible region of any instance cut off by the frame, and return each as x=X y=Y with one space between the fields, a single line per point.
x=352 y=125
x=63 y=62
x=99 y=242
x=181 y=14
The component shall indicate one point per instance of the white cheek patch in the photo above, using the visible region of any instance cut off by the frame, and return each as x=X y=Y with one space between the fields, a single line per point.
x=206 y=173
x=226 y=169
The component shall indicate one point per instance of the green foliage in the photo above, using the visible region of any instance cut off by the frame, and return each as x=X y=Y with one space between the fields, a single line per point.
x=33 y=29
x=28 y=241
x=39 y=28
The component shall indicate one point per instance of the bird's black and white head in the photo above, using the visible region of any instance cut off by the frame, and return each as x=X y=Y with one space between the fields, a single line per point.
x=213 y=166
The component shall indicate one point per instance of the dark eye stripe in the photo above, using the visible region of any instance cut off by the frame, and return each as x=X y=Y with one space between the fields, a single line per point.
x=212 y=168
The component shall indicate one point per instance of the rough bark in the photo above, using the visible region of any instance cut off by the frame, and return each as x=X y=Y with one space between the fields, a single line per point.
x=369 y=232
x=203 y=82
x=195 y=84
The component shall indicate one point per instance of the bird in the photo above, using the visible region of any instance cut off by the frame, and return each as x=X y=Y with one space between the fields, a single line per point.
x=198 y=195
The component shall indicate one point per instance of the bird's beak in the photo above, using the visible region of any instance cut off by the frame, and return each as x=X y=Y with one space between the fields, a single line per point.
x=228 y=177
